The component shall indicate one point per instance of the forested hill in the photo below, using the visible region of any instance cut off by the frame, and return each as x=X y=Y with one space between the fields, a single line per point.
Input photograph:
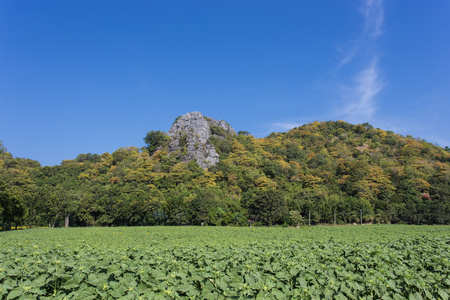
x=320 y=170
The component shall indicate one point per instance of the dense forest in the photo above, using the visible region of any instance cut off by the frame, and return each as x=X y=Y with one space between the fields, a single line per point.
x=321 y=172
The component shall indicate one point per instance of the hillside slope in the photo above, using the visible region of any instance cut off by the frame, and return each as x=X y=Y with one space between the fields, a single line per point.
x=325 y=172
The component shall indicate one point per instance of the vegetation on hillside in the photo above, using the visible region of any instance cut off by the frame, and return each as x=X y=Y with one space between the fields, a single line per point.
x=325 y=172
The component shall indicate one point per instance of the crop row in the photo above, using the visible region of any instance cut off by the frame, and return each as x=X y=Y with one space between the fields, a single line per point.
x=411 y=268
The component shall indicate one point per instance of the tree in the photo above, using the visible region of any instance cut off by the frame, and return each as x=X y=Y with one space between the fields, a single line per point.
x=243 y=132
x=2 y=148
x=296 y=217
x=155 y=139
x=67 y=203
x=12 y=208
x=294 y=152
x=198 y=208
x=267 y=206
x=88 y=157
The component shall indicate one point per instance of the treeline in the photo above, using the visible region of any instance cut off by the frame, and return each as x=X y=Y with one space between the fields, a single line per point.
x=325 y=171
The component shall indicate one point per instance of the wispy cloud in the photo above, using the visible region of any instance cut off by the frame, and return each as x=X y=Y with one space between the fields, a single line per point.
x=283 y=126
x=372 y=29
x=359 y=93
x=348 y=53
x=360 y=96
x=374 y=16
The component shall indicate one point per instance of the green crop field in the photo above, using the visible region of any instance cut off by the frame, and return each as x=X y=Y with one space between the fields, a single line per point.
x=322 y=262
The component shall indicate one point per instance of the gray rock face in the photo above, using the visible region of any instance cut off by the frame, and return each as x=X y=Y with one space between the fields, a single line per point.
x=191 y=133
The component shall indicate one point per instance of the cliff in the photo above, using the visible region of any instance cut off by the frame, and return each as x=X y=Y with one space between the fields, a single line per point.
x=191 y=137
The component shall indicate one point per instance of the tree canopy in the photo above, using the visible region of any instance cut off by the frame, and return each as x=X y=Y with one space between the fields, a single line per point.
x=155 y=139
x=312 y=173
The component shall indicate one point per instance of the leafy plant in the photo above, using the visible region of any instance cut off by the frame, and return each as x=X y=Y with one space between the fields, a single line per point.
x=395 y=262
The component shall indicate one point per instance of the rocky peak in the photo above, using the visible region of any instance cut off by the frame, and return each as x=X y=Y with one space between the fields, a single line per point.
x=191 y=133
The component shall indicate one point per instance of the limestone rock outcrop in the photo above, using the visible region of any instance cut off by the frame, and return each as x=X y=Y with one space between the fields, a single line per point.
x=190 y=135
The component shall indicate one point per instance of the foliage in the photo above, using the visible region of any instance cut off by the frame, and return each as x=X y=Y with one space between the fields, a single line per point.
x=296 y=217
x=320 y=170
x=2 y=147
x=267 y=206
x=154 y=139
x=356 y=262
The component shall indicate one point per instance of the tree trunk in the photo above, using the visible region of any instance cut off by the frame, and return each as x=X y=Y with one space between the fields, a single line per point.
x=66 y=221
x=33 y=217
x=54 y=222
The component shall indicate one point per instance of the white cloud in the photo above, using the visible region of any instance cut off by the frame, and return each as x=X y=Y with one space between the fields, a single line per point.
x=360 y=94
x=373 y=13
x=348 y=54
x=374 y=16
x=360 y=97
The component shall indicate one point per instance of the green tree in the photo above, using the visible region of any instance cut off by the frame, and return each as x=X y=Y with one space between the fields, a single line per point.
x=199 y=210
x=243 y=132
x=67 y=203
x=2 y=148
x=11 y=205
x=296 y=217
x=268 y=206
x=155 y=139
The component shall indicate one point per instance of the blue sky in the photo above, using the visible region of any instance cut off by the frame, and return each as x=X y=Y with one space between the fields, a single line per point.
x=92 y=76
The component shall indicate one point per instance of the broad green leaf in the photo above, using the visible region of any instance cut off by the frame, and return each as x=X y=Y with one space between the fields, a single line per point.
x=15 y=293
x=443 y=294
x=278 y=294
